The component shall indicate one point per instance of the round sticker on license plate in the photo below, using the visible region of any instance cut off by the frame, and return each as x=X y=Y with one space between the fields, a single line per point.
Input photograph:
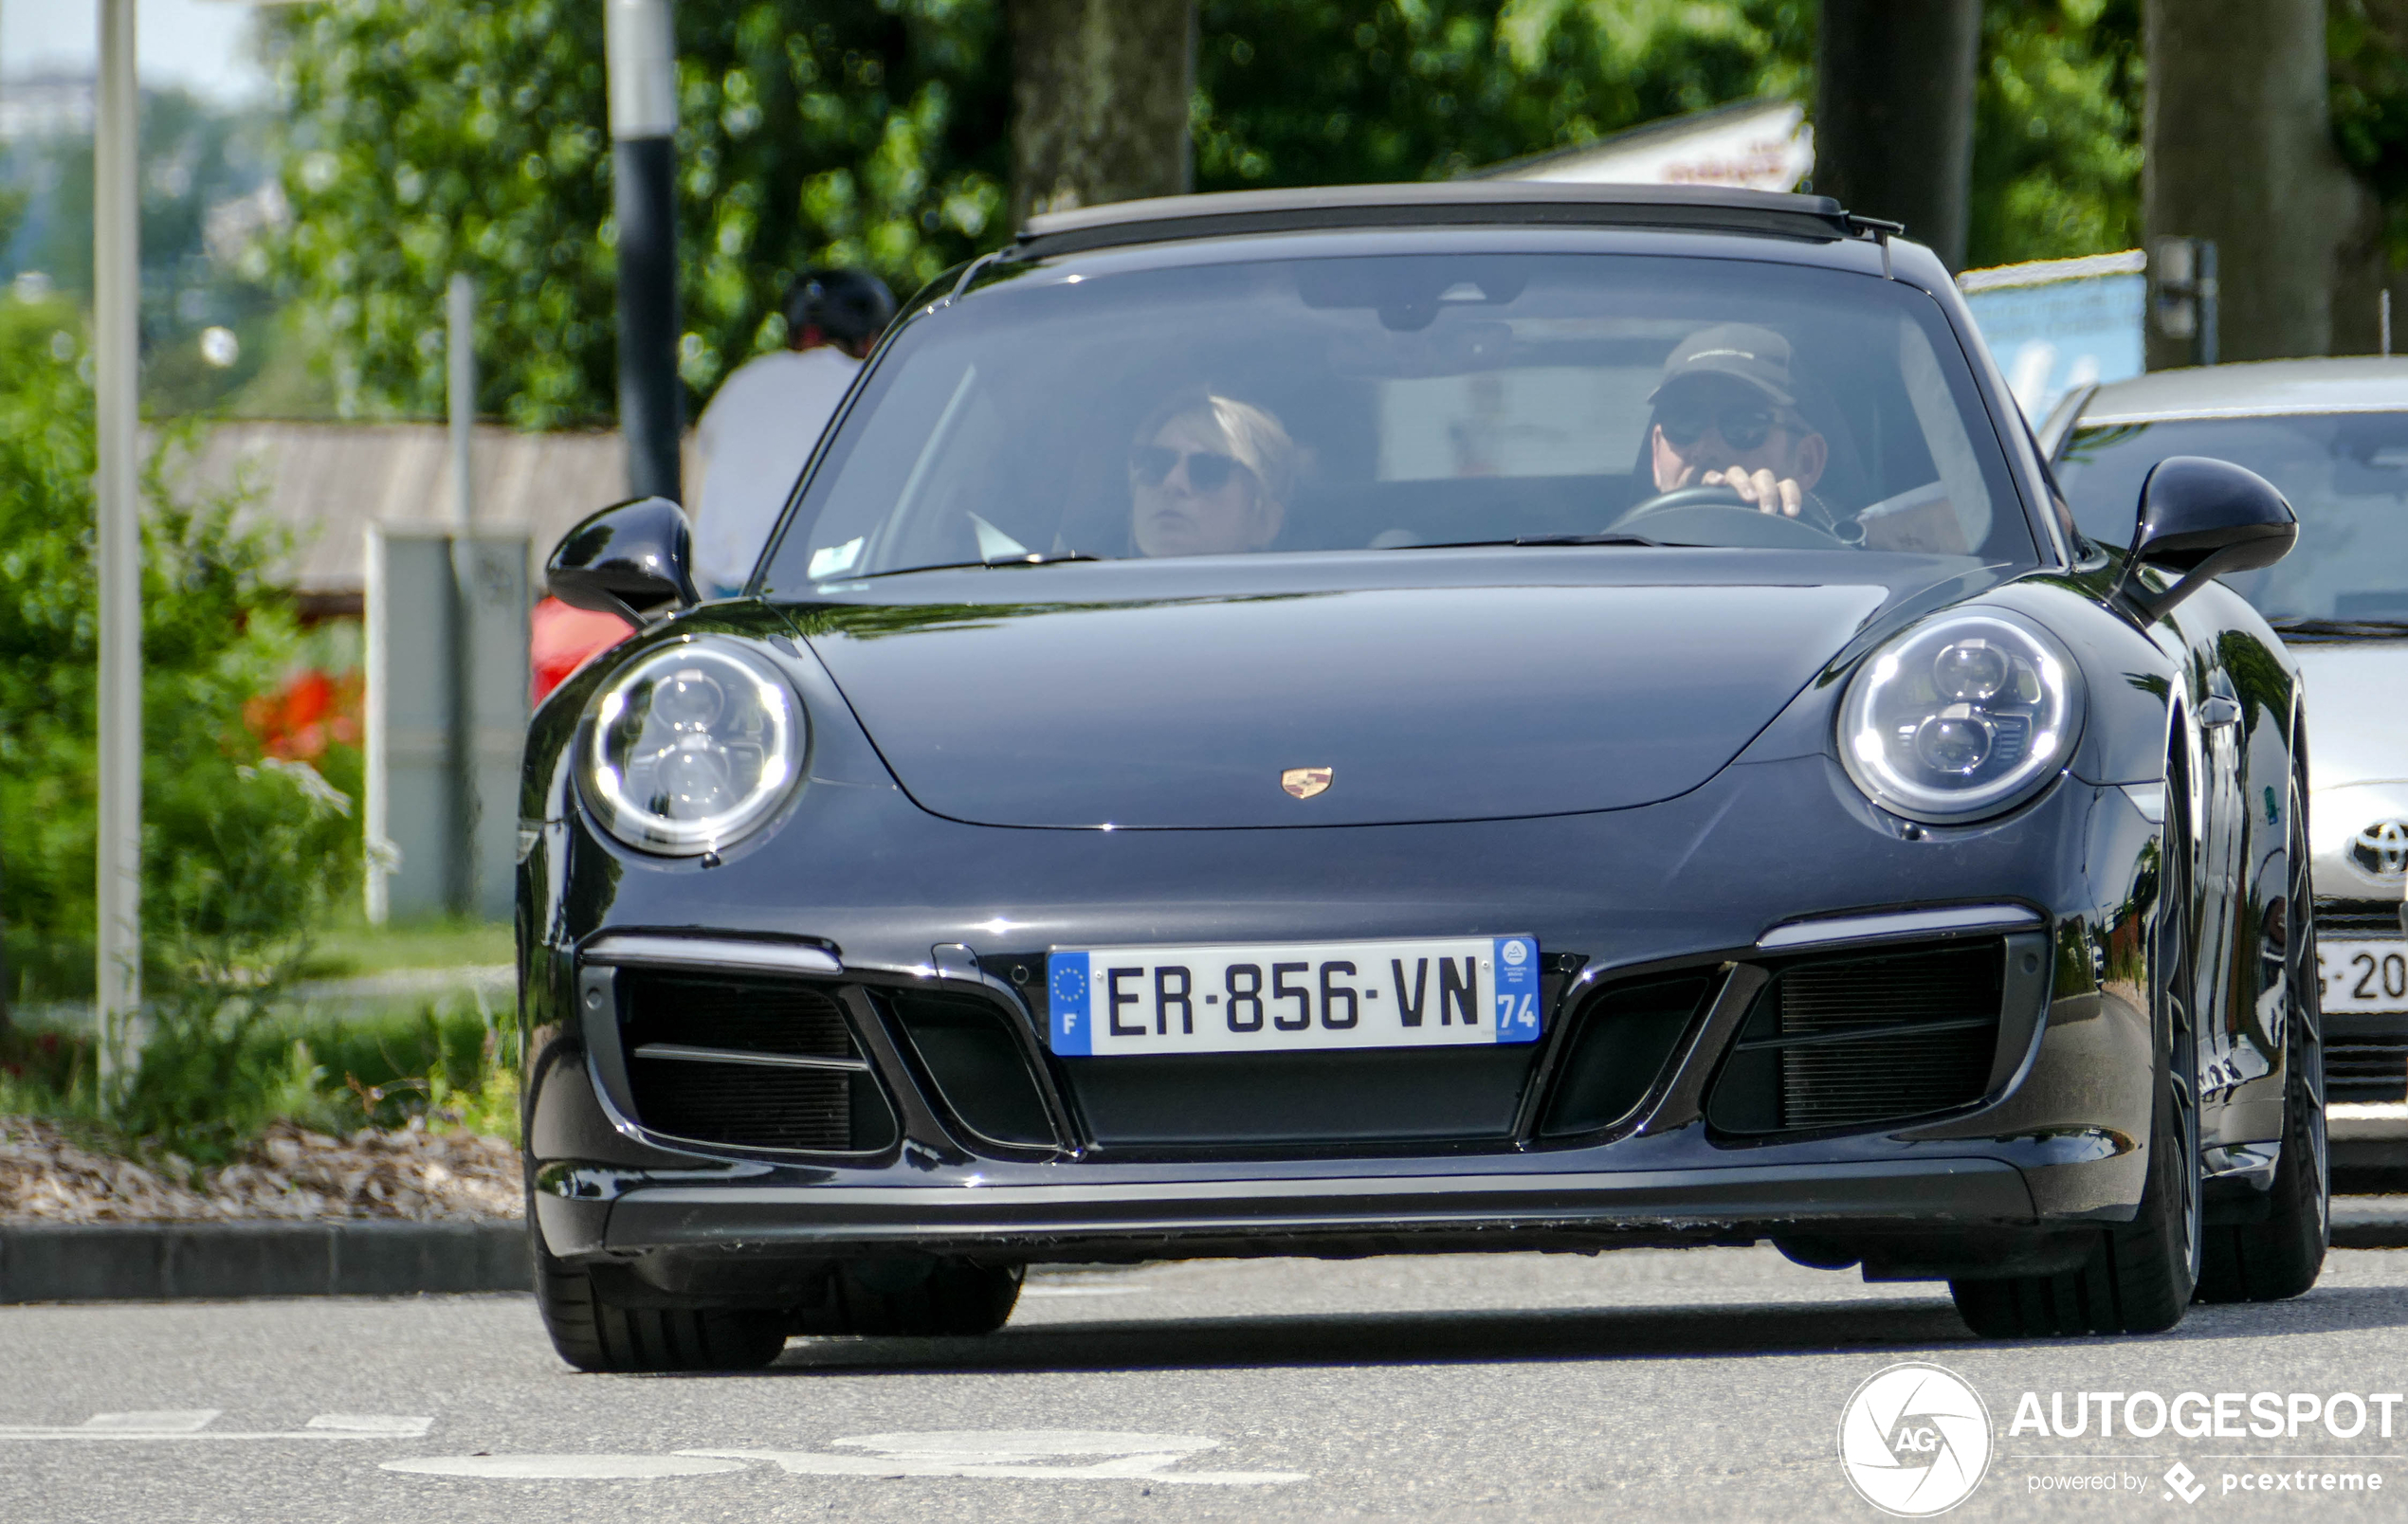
x=1427 y=993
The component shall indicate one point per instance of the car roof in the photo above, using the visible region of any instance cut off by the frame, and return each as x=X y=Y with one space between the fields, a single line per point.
x=2261 y=386
x=1447 y=203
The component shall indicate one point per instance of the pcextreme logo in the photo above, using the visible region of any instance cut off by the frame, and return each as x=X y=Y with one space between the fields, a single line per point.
x=1914 y=1440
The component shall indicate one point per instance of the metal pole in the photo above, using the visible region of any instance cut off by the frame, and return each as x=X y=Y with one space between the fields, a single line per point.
x=116 y=358
x=460 y=880
x=2382 y=315
x=639 y=39
x=2206 y=278
x=459 y=312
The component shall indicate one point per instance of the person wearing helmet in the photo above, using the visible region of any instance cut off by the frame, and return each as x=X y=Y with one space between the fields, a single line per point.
x=762 y=423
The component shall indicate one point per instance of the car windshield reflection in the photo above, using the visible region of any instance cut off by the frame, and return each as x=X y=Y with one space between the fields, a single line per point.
x=1121 y=411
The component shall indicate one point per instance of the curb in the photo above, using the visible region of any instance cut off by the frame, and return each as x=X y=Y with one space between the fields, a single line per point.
x=159 y=1261
x=2370 y=1222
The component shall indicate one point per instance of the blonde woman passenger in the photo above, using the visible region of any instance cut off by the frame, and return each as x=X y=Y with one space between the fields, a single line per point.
x=1209 y=475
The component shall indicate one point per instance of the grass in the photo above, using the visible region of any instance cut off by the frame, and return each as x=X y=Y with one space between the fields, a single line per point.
x=356 y=948
x=450 y=1060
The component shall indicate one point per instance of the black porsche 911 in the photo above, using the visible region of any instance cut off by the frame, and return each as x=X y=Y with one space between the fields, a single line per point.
x=1470 y=716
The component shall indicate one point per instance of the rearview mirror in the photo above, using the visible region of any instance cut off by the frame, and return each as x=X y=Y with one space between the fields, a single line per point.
x=632 y=559
x=2203 y=518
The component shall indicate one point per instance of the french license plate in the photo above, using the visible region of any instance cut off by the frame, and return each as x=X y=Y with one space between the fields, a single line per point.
x=2369 y=974
x=1422 y=994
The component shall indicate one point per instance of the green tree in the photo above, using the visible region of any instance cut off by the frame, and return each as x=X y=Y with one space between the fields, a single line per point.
x=473 y=136
x=2056 y=143
x=1320 y=92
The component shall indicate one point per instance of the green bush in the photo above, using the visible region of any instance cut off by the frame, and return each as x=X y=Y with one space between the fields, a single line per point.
x=241 y=856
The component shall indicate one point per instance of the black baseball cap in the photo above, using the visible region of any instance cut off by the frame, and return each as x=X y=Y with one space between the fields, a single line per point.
x=1757 y=357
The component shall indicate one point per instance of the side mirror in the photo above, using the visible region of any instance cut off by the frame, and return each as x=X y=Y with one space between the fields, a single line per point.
x=630 y=559
x=2203 y=518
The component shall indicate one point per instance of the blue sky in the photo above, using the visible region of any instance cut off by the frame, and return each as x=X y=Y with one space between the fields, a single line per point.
x=201 y=44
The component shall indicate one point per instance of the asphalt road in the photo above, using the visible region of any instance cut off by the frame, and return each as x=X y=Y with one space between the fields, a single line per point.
x=1704 y=1385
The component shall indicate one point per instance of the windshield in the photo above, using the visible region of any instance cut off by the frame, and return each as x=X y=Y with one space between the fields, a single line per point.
x=2346 y=476
x=1381 y=403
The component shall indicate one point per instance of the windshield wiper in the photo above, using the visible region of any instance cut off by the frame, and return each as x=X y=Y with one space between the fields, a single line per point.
x=1033 y=558
x=1037 y=558
x=1608 y=538
x=2342 y=629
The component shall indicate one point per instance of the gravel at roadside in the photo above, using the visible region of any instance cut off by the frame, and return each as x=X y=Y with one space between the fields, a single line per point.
x=292 y=1175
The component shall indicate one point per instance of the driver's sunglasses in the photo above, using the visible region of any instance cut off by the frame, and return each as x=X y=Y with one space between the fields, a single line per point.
x=1743 y=425
x=1207 y=470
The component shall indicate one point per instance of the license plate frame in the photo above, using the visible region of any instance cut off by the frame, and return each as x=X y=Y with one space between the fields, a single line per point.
x=1375 y=994
x=2362 y=975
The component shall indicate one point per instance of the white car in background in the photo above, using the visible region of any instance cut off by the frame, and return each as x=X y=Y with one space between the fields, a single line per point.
x=2333 y=436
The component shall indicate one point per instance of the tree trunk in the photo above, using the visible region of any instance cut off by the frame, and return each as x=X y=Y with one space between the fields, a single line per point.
x=1099 y=101
x=1893 y=113
x=2238 y=142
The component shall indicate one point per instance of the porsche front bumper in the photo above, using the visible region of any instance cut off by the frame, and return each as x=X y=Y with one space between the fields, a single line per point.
x=2017 y=1174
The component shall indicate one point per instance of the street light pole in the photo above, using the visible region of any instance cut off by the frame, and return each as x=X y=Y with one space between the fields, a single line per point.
x=639 y=39
x=115 y=360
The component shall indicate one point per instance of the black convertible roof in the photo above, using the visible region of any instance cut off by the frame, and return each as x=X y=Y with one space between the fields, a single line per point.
x=1445 y=204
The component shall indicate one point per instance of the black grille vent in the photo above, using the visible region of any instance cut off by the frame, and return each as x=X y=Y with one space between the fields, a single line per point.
x=752 y=1016
x=2365 y=1068
x=672 y=1024
x=1625 y=1038
x=743 y=1105
x=1869 y=1039
x=2358 y=918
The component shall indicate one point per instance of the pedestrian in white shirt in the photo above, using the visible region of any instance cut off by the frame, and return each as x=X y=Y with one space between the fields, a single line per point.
x=762 y=423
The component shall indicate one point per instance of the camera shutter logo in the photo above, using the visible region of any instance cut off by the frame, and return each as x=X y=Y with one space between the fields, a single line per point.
x=1914 y=1440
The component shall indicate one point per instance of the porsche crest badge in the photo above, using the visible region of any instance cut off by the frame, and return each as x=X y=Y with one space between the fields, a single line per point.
x=1304 y=782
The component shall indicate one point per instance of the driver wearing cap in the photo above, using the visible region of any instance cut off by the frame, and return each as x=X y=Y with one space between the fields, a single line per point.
x=1727 y=416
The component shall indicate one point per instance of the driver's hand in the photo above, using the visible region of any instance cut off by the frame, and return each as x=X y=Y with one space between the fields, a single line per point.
x=1770 y=493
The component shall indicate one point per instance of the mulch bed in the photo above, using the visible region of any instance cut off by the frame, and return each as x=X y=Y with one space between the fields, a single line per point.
x=291 y=1174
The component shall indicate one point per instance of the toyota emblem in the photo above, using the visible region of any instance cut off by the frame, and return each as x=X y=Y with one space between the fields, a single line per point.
x=2381 y=848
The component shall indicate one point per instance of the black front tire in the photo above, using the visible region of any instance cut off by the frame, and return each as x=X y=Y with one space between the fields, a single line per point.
x=593 y=1334
x=2140 y=1276
x=2283 y=1255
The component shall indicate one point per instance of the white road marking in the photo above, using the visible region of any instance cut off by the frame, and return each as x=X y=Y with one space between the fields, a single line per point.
x=1082 y=1290
x=192 y=1424
x=564 y=1467
x=1015 y=1454
x=1005 y=1446
x=369 y=1426
x=155 y=1421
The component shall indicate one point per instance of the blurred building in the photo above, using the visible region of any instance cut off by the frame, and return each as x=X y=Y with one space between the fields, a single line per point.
x=324 y=483
x=1755 y=145
x=2056 y=325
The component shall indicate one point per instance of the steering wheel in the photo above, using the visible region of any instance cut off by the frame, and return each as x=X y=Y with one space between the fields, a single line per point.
x=1716 y=515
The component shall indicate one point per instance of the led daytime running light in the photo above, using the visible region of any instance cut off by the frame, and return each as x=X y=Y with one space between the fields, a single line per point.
x=1962 y=718
x=691 y=748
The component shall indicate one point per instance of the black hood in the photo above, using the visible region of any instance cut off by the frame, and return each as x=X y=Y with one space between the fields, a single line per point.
x=1455 y=686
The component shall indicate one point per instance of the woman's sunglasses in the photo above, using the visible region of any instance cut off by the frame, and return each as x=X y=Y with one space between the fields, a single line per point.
x=1207 y=470
x=1743 y=425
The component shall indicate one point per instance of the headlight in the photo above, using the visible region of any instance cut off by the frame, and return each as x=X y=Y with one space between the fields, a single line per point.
x=691 y=747
x=1961 y=717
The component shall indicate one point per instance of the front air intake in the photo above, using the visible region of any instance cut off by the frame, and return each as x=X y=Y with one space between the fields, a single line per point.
x=1864 y=1041
x=750 y=1062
